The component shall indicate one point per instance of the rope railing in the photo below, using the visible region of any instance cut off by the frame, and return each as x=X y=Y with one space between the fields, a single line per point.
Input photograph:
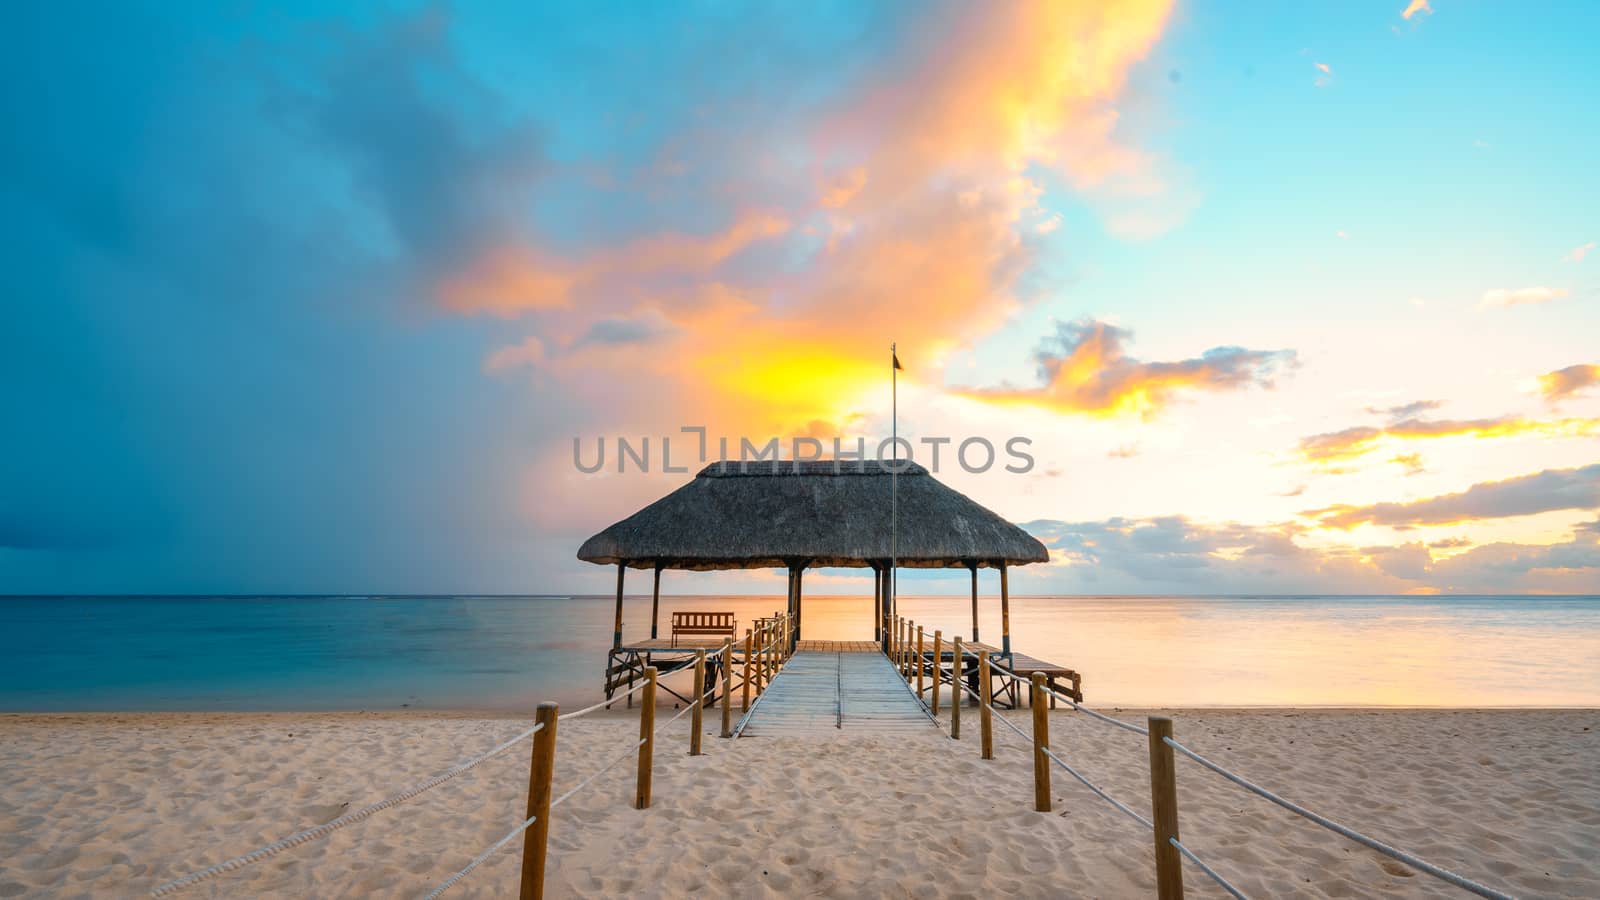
x=1082 y=779
x=772 y=649
x=349 y=818
x=1395 y=853
x=626 y=752
x=1221 y=882
x=907 y=650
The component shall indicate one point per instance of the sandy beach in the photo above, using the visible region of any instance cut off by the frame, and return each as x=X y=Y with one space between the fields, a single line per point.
x=115 y=804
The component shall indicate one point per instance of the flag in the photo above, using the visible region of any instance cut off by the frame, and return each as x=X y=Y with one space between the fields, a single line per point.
x=897 y=361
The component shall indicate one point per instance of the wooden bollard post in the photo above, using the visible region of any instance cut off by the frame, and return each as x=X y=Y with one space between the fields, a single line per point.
x=537 y=835
x=1041 y=743
x=748 y=646
x=727 y=688
x=905 y=654
x=1164 y=810
x=647 y=732
x=894 y=645
x=919 y=663
x=761 y=659
x=957 y=663
x=696 y=721
x=938 y=641
x=985 y=713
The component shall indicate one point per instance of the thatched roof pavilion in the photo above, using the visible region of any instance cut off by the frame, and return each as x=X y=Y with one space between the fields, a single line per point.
x=806 y=514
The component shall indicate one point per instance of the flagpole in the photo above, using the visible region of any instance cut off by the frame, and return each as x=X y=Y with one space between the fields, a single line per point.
x=894 y=481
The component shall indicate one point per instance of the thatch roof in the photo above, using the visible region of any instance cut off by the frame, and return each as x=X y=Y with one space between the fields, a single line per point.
x=765 y=514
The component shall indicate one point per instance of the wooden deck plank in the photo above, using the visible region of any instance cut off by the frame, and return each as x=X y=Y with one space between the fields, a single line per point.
x=819 y=692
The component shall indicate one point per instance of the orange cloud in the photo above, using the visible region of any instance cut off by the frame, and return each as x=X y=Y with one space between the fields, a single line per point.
x=1579 y=252
x=1350 y=443
x=1012 y=84
x=1086 y=370
x=1416 y=6
x=512 y=279
x=917 y=212
x=1566 y=382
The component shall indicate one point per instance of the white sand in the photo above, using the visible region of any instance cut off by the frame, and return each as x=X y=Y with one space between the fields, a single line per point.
x=112 y=805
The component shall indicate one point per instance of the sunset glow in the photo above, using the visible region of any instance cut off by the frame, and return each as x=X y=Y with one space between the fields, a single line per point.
x=1281 y=306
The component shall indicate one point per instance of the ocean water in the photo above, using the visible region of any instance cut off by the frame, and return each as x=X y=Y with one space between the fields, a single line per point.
x=508 y=653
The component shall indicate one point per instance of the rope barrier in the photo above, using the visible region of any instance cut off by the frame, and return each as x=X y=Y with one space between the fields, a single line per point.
x=327 y=828
x=1409 y=859
x=478 y=860
x=576 y=714
x=1063 y=764
x=450 y=882
x=1136 y=729
x=626 y=752
x=1221 y=882
x=1459 y=881
x=687 y=707
x=528 y=823
x=1096 y=788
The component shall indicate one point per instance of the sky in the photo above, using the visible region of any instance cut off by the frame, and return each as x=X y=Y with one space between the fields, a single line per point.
x=1283 y=299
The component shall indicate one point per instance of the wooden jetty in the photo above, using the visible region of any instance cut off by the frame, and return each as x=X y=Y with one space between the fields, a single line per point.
x=808 y=514
x=832 y=686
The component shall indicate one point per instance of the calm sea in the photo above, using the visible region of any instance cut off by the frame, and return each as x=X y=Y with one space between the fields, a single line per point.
x=462 y=652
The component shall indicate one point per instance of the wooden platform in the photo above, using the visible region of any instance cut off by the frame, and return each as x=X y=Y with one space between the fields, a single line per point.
x=838 y=647
x=821 y=693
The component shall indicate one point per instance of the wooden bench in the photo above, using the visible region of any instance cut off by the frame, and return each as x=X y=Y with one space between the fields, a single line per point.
x=716 y=624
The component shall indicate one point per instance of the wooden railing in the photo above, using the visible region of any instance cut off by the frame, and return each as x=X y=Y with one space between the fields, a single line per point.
x=766 y=646
x=907 y=649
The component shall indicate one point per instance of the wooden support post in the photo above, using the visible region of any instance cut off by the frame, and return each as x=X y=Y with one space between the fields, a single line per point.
x=985 y=714
x=616 y=630
x=1164 y=810
x=905 y=650
x=877 y=607
x=957 y=663
x=1041 y=743
x=792 y=599
x=888 y=613
x=974 y=602
x=938 y=651
x=647 y=732
x=536 y=837
x=655 y=603
x=696 y=718
x=744 y=706
x=799 y=608
x=919 y=663
x=727 y=688
x=1005 y=614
